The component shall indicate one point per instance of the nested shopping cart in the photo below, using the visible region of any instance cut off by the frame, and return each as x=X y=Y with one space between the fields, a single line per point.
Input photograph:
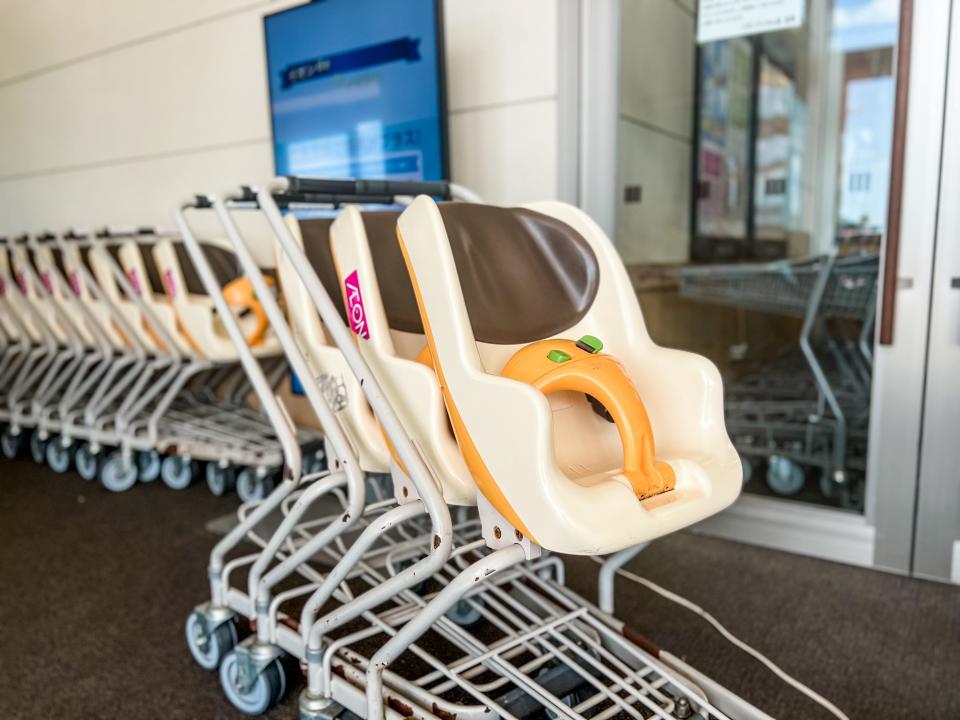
x=809 y=409
x=468 y=630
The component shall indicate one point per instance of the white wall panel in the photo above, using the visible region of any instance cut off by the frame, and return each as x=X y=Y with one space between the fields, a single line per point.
x=656 y=74
x=117 y=108
x=37 y=34
x=195 y=88
x=656 y=229
x=507 y=154
x=500 y=51
x=134 y=193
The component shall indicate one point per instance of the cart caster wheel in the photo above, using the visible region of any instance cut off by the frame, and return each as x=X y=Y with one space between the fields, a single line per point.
x=253 y=486
x=38 y=448
x=148 y=465
x=220 y=480
x=87 y=462
x=747 y=465
x=118 y=473
x=208 y=649
x=60 y=455
x=177 y=472
x=464 y=614
x=11 y=443
x=784 y=476
x=266 y=689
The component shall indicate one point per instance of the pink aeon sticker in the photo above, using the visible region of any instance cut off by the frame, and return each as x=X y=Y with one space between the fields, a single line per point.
x=22 y=282
x=75 y=283
x=169 y=283
x=134 y=279
x=47 y=282
x=358 y=316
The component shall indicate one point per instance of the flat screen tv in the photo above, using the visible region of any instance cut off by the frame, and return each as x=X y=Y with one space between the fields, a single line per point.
x=357 y=89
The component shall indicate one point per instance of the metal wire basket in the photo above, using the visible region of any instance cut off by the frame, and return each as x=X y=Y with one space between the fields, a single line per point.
x=788 y=288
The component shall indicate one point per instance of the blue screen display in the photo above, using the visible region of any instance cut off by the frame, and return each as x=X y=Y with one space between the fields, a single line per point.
x=355 y=91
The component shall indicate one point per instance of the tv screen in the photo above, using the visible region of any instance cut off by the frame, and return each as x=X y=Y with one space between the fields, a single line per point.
x=356 y=89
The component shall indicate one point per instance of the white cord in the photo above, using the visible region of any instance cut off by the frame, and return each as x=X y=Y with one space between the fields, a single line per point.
x=756 y=654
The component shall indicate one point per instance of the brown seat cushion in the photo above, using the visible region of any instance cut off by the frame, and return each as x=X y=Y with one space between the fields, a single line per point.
x=316 y=246
x=525 y=276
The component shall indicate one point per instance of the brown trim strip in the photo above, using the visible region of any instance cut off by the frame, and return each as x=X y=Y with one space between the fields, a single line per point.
x=892 y=248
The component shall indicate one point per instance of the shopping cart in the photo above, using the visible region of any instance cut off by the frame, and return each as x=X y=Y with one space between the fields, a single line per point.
x=492 y=635
x=104 y=378
x=810 y=408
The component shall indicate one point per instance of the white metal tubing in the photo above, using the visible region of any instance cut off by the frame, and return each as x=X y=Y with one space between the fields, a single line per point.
x=121 y=278
x=304 y=500
x=73 y=334
x=608 y=574
x=261 y=587
x=97 y=360
x=823 y=384
x=313 y=632
x=115 y=365
x=65 y=356
x=171 y=362
x=465 y=194
x=332 y=429
x=42 y=356
x=286 y=433
x=288 y=484
x=427 y=490
x=434 y=610
x=16 y=356
x=414 y=464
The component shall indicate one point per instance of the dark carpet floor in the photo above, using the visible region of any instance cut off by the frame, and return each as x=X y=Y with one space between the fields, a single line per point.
x=94 y=589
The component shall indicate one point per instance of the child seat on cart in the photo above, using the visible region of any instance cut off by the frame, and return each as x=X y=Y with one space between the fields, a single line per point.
x=538 y=341
x=326 y=360
x=28 y=279
x=195 y=316
x=382 y=312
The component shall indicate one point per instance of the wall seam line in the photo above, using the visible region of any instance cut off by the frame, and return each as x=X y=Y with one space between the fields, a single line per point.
x=129 y=44
x=499 y=105
x=655 y=128
x=132 y=159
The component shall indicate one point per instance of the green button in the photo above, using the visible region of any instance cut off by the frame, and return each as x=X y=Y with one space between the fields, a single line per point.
x=590 y=344
x=557 y=356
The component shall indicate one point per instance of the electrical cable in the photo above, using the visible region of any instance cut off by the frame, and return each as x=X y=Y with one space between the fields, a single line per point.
x=733 y=639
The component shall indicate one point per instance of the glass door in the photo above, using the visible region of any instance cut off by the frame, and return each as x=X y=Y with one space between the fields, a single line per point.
x=752 y=203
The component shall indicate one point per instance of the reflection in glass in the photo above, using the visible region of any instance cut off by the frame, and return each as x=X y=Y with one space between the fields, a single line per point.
x=787 y=179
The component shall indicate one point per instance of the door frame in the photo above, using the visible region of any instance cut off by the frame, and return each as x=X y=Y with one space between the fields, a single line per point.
x=936 y=536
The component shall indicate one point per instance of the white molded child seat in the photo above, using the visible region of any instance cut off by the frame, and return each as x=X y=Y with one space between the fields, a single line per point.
x=73 y=257
x=359 y=422
x=196 y=321
x=550 y=464
x=390 y=341
x=47 y=263
x=127 y=255
x=46 y=306
x=15 y=301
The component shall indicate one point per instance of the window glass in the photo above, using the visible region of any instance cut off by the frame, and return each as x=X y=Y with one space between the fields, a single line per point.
x=754 y=179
